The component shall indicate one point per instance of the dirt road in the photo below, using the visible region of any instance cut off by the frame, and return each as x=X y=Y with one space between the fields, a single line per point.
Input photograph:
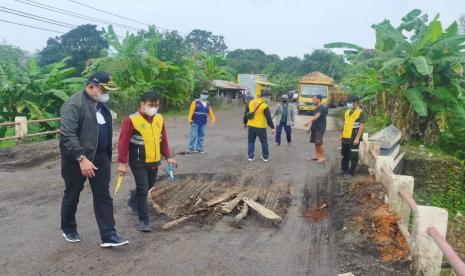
x=31 y=242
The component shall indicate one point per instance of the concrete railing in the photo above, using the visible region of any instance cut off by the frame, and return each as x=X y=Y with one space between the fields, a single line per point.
x=426 y=238
x=21 y=124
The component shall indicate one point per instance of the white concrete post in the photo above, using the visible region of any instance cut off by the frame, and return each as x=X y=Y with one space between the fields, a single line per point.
x=363 y=148
x=114 y=115
x=21 y=128
x=381 y=161
x=369 y=160
x=397 y=204
x=427 y=257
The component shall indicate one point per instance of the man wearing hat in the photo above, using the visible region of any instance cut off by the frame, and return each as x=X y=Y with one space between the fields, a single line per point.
x=199 y=113
x=86 y=148
x=354 y=124
x=284 y=114
x=257 y=115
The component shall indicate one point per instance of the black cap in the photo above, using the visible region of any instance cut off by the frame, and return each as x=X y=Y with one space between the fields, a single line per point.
x=353 y=98
x=103 y=79
x=204 y=92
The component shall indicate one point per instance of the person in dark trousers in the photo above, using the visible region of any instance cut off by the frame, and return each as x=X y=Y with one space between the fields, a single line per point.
x=86 y=148
x=318 y=128
x=354 y=124
x=199 y=113
x=256 y=124
x=285 y=118
x=143 y=138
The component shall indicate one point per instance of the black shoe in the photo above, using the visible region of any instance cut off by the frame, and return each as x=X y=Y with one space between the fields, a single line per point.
x=144 y=226
x=114 y=241
x=71 y=237
x=348 y=175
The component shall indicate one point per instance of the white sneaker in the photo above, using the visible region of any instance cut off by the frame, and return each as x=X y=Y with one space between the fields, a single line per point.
x=251 y=159
x=264 y=160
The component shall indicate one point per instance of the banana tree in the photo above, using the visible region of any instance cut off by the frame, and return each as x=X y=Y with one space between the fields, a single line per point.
x=34 y=92
x=421 y=74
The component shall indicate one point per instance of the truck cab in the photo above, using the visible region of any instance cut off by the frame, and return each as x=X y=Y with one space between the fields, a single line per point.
x=306 y=94
x=311 y=85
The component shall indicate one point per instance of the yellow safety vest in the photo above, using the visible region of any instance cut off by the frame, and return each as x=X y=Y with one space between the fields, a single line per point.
x=350 y=122
x=259 y=120
x=151 y=135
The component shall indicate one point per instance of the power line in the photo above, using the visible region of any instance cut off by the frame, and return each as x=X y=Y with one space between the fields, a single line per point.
x=43 y=19
x=123 y=17
x=110 y=13
x=36 y=17
x=73 y=14
x=39 y=28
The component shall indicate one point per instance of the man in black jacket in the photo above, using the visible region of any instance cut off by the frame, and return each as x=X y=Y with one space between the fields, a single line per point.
x=85 y=145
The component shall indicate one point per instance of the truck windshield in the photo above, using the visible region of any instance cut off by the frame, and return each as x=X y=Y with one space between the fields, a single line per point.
x=308 y=91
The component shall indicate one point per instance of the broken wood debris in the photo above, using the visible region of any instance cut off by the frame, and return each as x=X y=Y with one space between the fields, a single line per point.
x=262 y=210
x=230 y=205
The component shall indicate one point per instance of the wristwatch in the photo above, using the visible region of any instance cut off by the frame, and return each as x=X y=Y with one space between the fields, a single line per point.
x=80 y=158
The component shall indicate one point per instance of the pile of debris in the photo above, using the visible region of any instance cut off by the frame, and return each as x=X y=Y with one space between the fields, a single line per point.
x=208 y=198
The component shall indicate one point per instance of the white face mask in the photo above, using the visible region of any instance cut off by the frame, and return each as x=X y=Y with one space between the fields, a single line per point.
x=101 y=97
x=350 y=105
x=150 y=111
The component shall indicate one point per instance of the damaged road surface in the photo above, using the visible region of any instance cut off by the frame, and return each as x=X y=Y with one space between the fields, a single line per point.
x=223 y=215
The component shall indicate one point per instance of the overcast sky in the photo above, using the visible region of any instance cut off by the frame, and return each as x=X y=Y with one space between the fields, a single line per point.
x=283 y=27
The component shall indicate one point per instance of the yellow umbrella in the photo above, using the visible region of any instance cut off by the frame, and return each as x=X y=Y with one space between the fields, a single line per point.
x=118 y=183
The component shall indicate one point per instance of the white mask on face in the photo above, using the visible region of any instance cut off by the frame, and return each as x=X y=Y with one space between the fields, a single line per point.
x=101 y=97
x=350 y=105
x=150 y=111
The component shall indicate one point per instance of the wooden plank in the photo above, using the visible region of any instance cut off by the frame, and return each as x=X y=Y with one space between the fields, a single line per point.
x=175 y=222
x=239 y=217
x=222 y=198
x=159 y=192
x=226 y=209
x=262 y=210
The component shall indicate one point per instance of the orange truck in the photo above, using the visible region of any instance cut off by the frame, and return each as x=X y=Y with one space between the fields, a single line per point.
x=317 y=83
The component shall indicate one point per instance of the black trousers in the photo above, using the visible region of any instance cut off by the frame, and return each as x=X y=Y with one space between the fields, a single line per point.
x=103 y=203
x=349 y=154
x=253 y=133
x=145 y=179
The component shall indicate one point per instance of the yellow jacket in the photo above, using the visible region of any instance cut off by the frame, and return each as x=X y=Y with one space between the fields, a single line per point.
x=259 y=120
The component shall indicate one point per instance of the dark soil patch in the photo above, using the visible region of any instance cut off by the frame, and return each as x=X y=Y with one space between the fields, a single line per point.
x=370 y=230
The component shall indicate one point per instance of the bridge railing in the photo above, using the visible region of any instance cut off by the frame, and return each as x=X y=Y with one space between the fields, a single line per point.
x=426 y=238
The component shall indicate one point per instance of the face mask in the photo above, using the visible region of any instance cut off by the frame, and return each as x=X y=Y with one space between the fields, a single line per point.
x=204 y=97
x=102 y=98
x=150 y=111
x=267 y=101
x=350 y=105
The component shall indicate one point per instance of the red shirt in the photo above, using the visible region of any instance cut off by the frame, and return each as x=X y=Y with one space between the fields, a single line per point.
x=125 y=139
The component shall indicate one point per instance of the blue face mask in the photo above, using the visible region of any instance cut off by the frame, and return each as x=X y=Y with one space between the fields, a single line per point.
x=350 y=105
x=204 y=97
x=267 y=101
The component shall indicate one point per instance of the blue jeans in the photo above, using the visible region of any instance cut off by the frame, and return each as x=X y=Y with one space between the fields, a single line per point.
x=197 y=137
x=279 y=129
x=252 y=136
